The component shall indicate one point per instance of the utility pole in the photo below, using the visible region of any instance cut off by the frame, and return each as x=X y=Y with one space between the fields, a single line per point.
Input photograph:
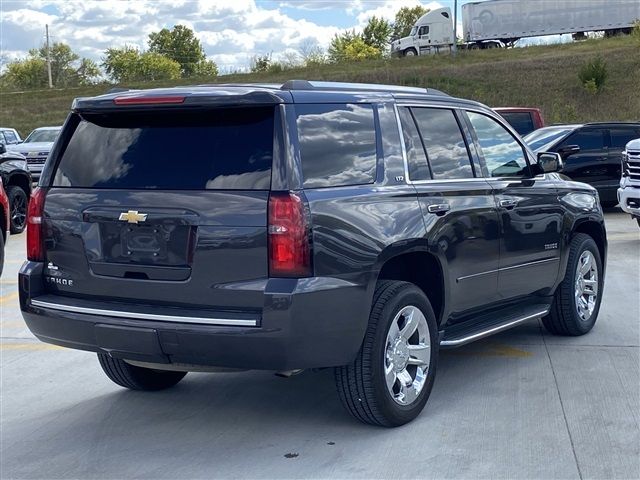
x=48 y=57
x=455 y=27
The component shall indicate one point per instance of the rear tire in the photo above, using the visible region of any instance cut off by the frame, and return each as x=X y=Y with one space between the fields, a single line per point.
x=390 y=380
x=137 y=378
x=18 y=202
x=575 y=309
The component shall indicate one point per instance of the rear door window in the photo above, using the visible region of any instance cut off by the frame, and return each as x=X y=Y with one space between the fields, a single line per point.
x=416 y=156
x=337 y=144
x=446 y=149
x=226 y=149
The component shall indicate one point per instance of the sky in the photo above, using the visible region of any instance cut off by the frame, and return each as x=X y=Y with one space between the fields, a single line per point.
x=232 y=32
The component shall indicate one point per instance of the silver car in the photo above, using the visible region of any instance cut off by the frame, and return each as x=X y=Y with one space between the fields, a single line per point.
x=36 y=147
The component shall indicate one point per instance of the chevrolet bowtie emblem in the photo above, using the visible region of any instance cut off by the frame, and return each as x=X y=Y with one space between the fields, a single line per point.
x=132 y=216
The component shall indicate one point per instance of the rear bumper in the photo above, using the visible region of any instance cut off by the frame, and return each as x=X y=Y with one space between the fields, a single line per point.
x=305 y=323
x=629 y=198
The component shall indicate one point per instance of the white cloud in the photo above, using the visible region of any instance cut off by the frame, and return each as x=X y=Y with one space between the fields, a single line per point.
x=388 y=9
x=231 y=31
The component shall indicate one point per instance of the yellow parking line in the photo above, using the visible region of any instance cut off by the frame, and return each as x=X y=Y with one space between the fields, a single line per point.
x=29 y=346
x=8 y=298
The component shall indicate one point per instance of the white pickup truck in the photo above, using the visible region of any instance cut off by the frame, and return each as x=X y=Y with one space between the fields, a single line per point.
x=629 y=191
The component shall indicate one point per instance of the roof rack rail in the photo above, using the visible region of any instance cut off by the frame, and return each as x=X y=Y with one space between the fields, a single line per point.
x=374 y=87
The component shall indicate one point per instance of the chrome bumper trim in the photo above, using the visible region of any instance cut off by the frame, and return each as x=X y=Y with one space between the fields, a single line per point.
x=145 y=316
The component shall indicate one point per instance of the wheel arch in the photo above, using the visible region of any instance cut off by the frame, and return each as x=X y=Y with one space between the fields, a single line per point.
x=418 y=265
x=596 y=230
x=20 y=179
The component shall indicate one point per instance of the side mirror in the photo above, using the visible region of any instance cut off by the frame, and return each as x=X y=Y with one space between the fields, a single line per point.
x=3 y=148
x=568 y=150
x=550 y=162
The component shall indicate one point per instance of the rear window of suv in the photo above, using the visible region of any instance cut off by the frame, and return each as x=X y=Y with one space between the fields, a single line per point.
x=226 y=149
x=337 y=144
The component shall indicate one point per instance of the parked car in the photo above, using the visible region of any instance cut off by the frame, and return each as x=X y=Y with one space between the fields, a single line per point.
x=9 y=136
x=523 y=120
x=17 y=185
x=358 y=227
x=36 y=147
x=4 y=223
x=629 y=191
x=592 y=152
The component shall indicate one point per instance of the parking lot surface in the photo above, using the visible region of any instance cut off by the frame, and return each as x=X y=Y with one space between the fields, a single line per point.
x=522 y=404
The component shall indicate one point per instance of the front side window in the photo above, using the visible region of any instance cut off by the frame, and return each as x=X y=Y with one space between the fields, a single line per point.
x=588 y=139
x=337 y=144
x=503 y=155
x=424 y=30
x=10 y=137
x=446 y=149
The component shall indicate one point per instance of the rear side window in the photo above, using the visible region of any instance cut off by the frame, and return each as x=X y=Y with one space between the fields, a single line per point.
x=337 y=144
x=621 y=136
x=446 y=149
x=522 y=122
x=226 y=149
x=416 y=158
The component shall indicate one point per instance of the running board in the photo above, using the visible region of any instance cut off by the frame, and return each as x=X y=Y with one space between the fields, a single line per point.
x=487 y=325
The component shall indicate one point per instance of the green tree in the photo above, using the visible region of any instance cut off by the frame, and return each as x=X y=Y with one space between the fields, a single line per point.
x=357 y=50
x=128 y=64
x=28 y=73
x=405 y=19
x=339 y=44
x=88 y=72
x=63 y=59
x=206 y=68
x=377 y=33
x=181 y=45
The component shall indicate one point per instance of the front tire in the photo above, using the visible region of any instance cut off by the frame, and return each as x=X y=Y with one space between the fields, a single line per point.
x=137 y=378
x=391 y=379
x=577 y=300
x=410 y=52
x=18 y=202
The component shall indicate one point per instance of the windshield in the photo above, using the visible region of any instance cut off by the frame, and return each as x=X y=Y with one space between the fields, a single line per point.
x=544 y=136
x=413 y=31
x=42 y=136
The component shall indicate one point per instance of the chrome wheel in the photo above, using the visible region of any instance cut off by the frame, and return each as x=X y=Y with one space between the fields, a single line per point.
x=586 y=285
x=407 y=355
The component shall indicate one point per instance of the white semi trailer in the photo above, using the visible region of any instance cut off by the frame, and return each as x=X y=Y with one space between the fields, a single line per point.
x=499 y=23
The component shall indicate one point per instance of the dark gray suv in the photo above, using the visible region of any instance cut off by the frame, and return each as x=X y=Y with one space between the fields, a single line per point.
x=308 y=225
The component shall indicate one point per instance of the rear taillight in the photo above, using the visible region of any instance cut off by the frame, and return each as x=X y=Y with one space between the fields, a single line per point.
x=289 y=236
x=35 y=250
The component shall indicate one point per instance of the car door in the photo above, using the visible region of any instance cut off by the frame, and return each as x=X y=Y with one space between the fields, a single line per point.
x=459 y=212
x=424 y=39
x=588 y=163
x=529 y=210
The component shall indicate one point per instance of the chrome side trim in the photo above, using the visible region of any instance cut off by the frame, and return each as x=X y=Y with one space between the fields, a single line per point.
x=145 y=316
x=504 y=269
x=494 y=329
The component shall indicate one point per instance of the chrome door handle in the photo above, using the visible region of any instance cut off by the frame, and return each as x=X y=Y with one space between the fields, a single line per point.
x=508 y=203
x=439 y=208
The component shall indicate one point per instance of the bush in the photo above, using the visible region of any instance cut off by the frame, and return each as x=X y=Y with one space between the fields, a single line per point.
x=593 y=75
x=635 y=32
x=260 y=63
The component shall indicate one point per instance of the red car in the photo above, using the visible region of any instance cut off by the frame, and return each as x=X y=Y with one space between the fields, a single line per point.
x=522 y=119
x=4 y=223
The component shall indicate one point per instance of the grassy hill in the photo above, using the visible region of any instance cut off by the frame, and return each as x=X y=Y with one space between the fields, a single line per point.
x=540 y=76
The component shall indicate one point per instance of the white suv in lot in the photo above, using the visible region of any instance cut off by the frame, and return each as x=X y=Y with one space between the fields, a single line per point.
x=629 y=191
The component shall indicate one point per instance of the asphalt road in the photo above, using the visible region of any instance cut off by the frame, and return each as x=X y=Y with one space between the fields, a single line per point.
x=523 y=404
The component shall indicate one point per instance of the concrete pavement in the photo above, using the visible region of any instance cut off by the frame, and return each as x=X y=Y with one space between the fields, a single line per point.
x=522 y=404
